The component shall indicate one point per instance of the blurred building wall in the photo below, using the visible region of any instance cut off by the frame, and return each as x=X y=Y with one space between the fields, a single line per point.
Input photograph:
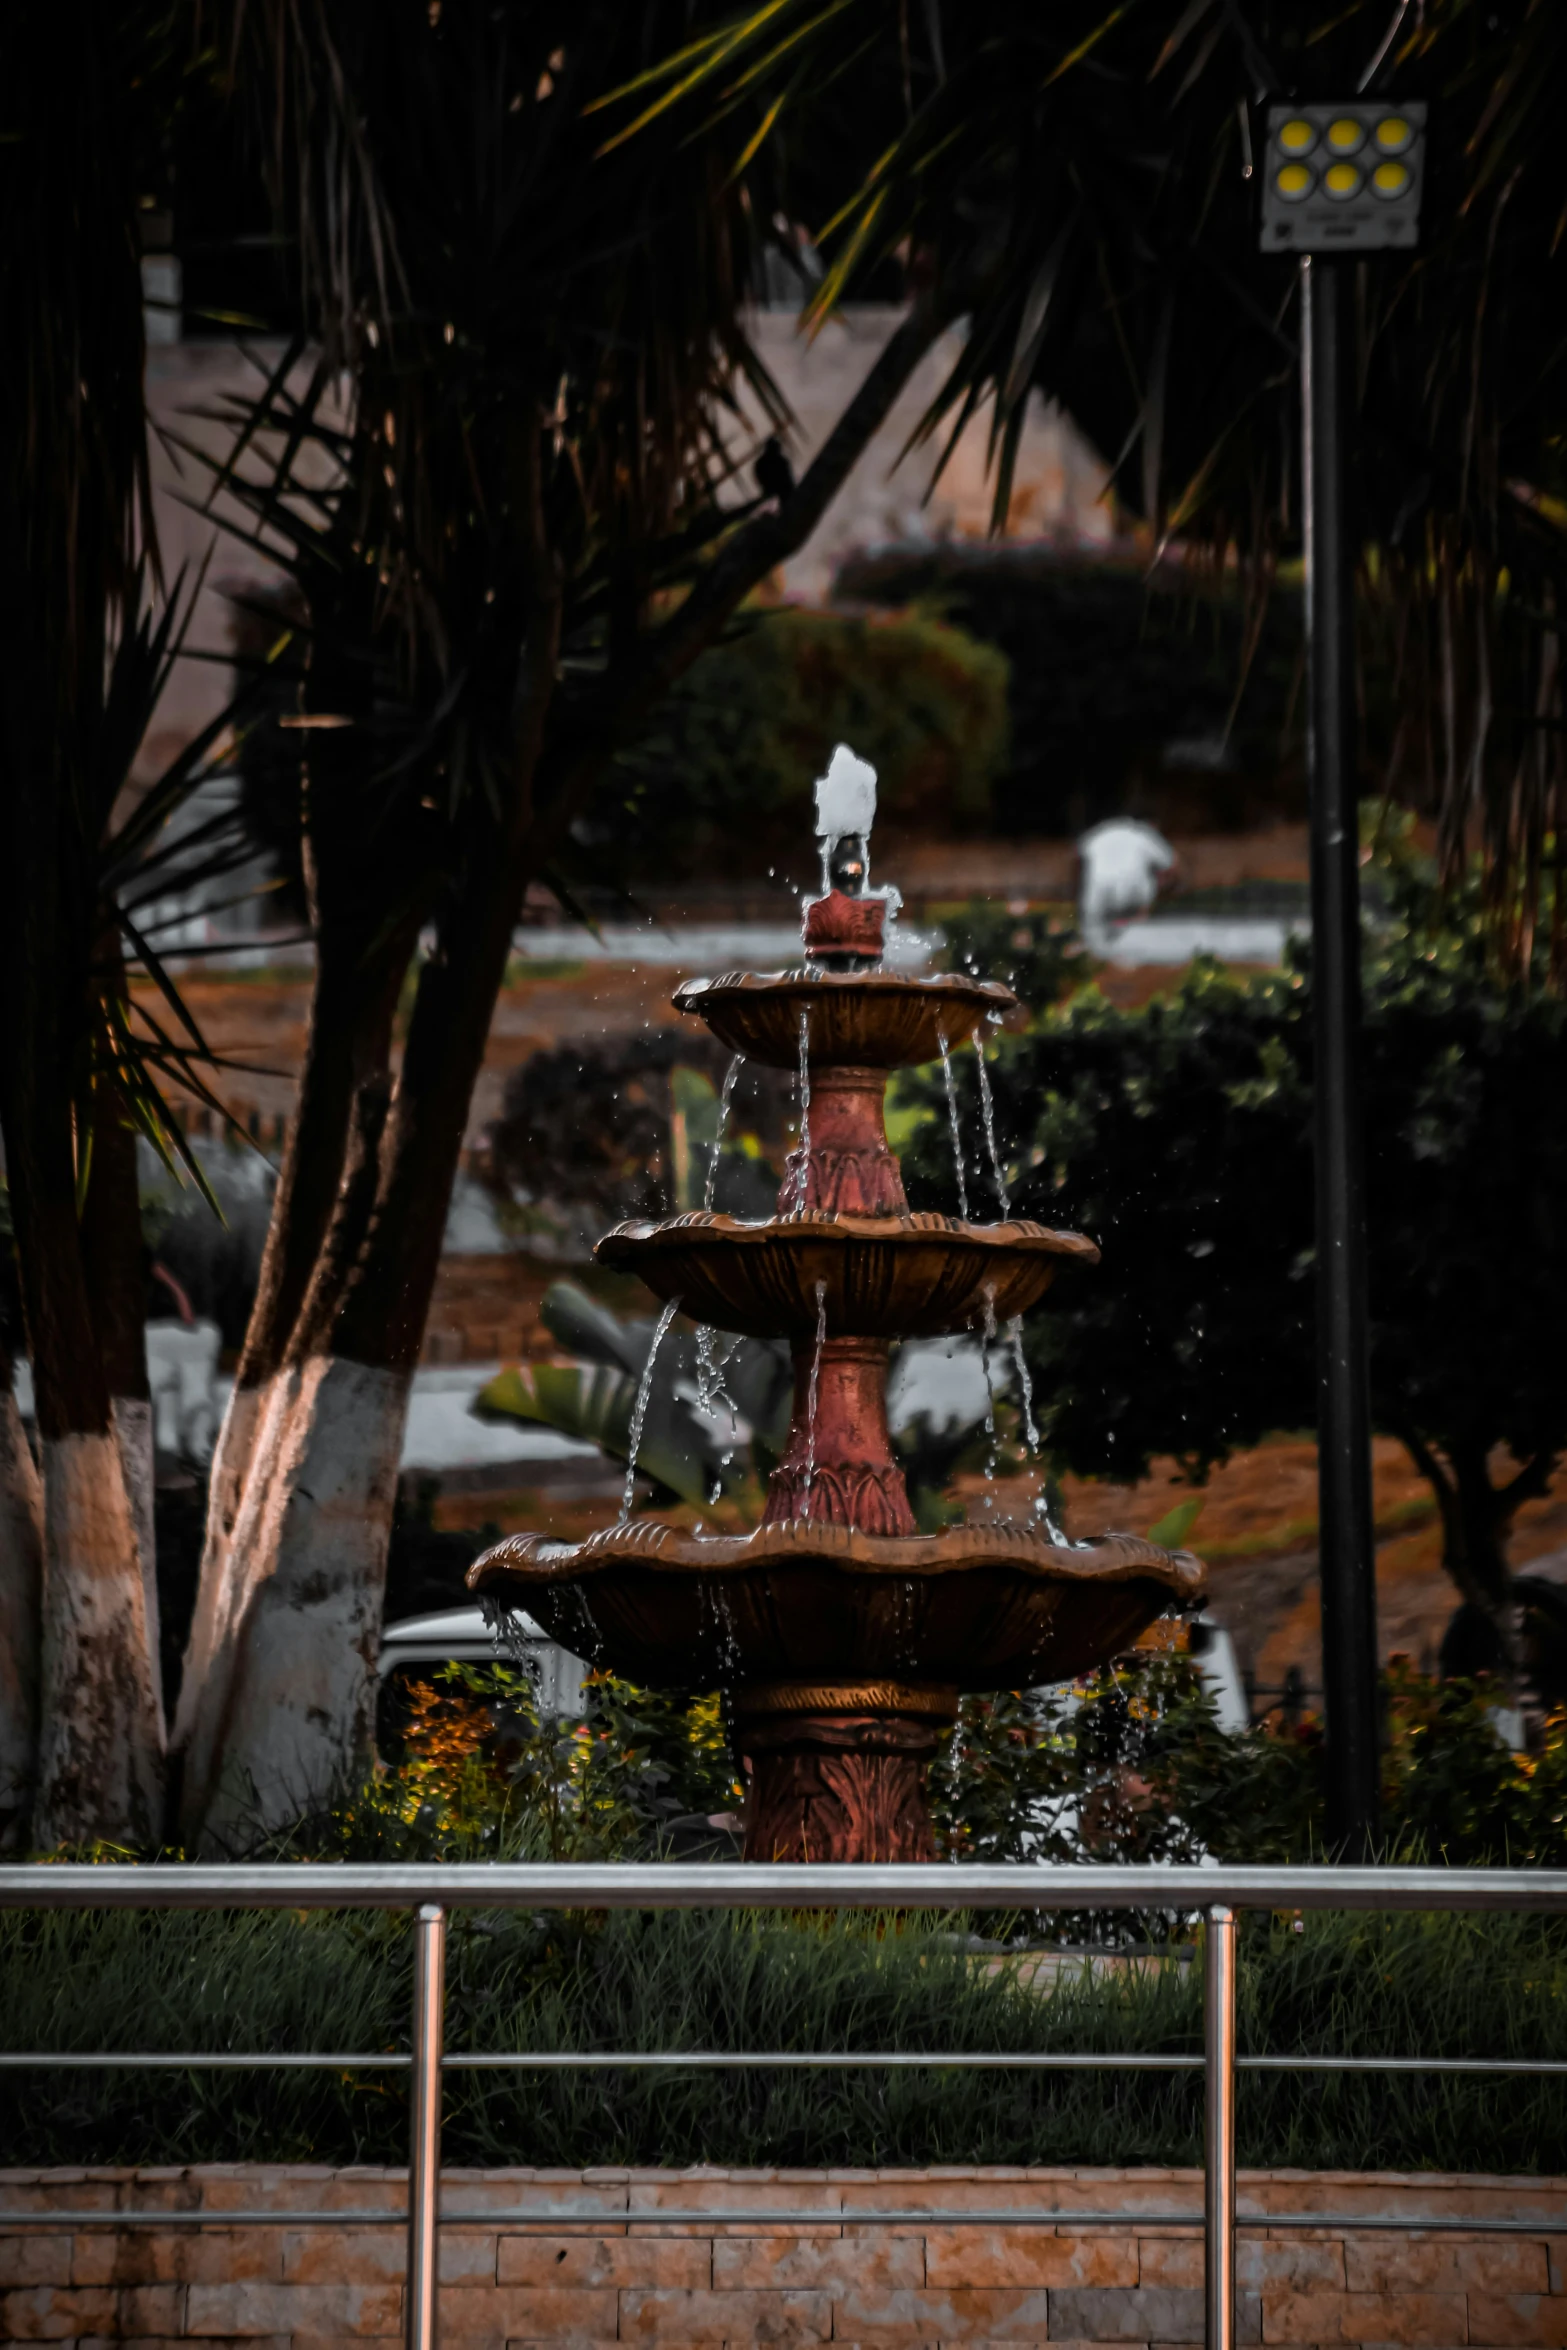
x=889 y=499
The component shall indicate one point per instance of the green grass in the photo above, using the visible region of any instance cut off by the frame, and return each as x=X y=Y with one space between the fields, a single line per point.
x=1477 y=1986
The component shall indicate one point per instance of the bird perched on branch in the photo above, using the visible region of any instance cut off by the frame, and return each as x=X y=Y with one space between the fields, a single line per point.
x=774 y=473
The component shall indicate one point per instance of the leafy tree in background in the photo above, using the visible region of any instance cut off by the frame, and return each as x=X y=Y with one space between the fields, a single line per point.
x=1179 y=1136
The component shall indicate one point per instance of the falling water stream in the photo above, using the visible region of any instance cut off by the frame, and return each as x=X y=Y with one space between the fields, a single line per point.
x=988 y=1113
x=986 y=1347
x=639 y=1408
x=802 y=1172
x=810 y=1403
x=952 y=1121
x=730 y=1074
x=1025 y=1384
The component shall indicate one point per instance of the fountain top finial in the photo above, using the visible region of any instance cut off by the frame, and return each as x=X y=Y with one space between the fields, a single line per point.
x=845 y=926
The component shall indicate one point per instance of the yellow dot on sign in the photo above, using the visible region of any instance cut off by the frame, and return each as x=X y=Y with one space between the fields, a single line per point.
x=1298 y=136
x=1342 y=181
x=1391 y=179
x=1346 y=136
x=1393 y=134
x=1293 y=181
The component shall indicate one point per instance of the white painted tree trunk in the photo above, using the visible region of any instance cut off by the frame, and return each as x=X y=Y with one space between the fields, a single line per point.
x=291 y=1728
x=100 y=1754
x=21 y=1578
x=133 y=1430
x=225 y=1583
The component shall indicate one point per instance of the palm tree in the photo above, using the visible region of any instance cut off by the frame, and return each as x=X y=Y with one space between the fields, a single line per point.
x=529 y=531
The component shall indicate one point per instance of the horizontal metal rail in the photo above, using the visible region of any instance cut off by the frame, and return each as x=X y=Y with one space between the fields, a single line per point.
x=724 y=1885
x=433 y=1892
x=17 y=2223
x=567 y=2060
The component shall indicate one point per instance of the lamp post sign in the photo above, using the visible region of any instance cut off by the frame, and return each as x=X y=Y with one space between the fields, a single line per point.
x=1339 y=179
x=1343 y=179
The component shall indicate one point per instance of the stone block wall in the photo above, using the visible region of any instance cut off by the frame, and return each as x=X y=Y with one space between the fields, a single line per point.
x=819 y=2271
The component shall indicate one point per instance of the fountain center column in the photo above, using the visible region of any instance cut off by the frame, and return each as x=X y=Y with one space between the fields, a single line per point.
x=838 y=1469
x=838 y=1771
x=849 y=1167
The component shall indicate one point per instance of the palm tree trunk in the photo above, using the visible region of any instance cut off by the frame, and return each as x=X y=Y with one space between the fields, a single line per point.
x=289 y=1708
x=348 y=1047
x=100 y=1750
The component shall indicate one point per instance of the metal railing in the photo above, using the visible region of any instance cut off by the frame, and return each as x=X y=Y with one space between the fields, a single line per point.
x=1218 y=1894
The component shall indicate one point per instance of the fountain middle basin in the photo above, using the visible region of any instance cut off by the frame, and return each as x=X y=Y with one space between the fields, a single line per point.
x=877 y=1276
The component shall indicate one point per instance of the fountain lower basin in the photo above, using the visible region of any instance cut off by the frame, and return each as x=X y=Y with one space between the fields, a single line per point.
x=993 y=1606
x=841 y=1653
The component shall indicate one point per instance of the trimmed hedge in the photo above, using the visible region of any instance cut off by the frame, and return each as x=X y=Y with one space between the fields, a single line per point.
x=721 y=782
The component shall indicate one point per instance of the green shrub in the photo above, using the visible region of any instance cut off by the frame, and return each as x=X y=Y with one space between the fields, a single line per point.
x=722 y=780
x=1347 y=1985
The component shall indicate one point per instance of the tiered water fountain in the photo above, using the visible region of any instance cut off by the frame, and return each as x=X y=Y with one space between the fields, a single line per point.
x=840 y=1634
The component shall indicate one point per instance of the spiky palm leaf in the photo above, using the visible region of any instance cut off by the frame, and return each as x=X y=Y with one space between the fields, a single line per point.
x=1083 y=171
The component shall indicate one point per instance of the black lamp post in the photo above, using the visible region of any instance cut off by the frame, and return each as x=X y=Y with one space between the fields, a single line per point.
x=1339 y=179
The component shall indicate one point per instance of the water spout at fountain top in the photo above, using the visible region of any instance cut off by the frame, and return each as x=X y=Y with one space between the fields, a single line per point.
x=845 y=928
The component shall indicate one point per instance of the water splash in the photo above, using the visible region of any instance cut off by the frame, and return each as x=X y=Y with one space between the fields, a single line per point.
x=802 y=1157
x=988 y=1113
x=1025 y=1384
x=1053 y=1532
x=639 y=1408
x=810 y=1401
x=711 y=1364
x=725 y=1098
x=952 y=1121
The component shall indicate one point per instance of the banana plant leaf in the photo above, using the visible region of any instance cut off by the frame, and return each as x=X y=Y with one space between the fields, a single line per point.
x=595 y=1405
x=757 y=1376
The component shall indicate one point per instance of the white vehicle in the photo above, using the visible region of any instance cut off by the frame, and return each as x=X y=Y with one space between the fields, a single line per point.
x=460 y=1635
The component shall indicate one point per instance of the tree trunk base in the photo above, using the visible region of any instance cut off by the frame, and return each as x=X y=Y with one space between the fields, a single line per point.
x=287 y=1727
x=21 y=1579
x=838 y=1774
x=100 y=1759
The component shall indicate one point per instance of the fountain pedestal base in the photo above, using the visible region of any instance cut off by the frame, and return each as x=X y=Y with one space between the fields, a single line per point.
x=838 y=1773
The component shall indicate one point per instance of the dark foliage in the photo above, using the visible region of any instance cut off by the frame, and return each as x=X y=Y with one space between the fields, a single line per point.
x=1124 y=691
x=592 y=1126
x=1179 y=1137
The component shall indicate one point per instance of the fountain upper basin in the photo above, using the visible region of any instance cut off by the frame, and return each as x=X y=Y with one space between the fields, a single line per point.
x=858 y=1020
x=994 y=1606
x=875 y=1276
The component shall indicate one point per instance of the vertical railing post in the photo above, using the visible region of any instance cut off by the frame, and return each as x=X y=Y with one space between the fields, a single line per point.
x=421 y=2294
x=1218 y=1982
